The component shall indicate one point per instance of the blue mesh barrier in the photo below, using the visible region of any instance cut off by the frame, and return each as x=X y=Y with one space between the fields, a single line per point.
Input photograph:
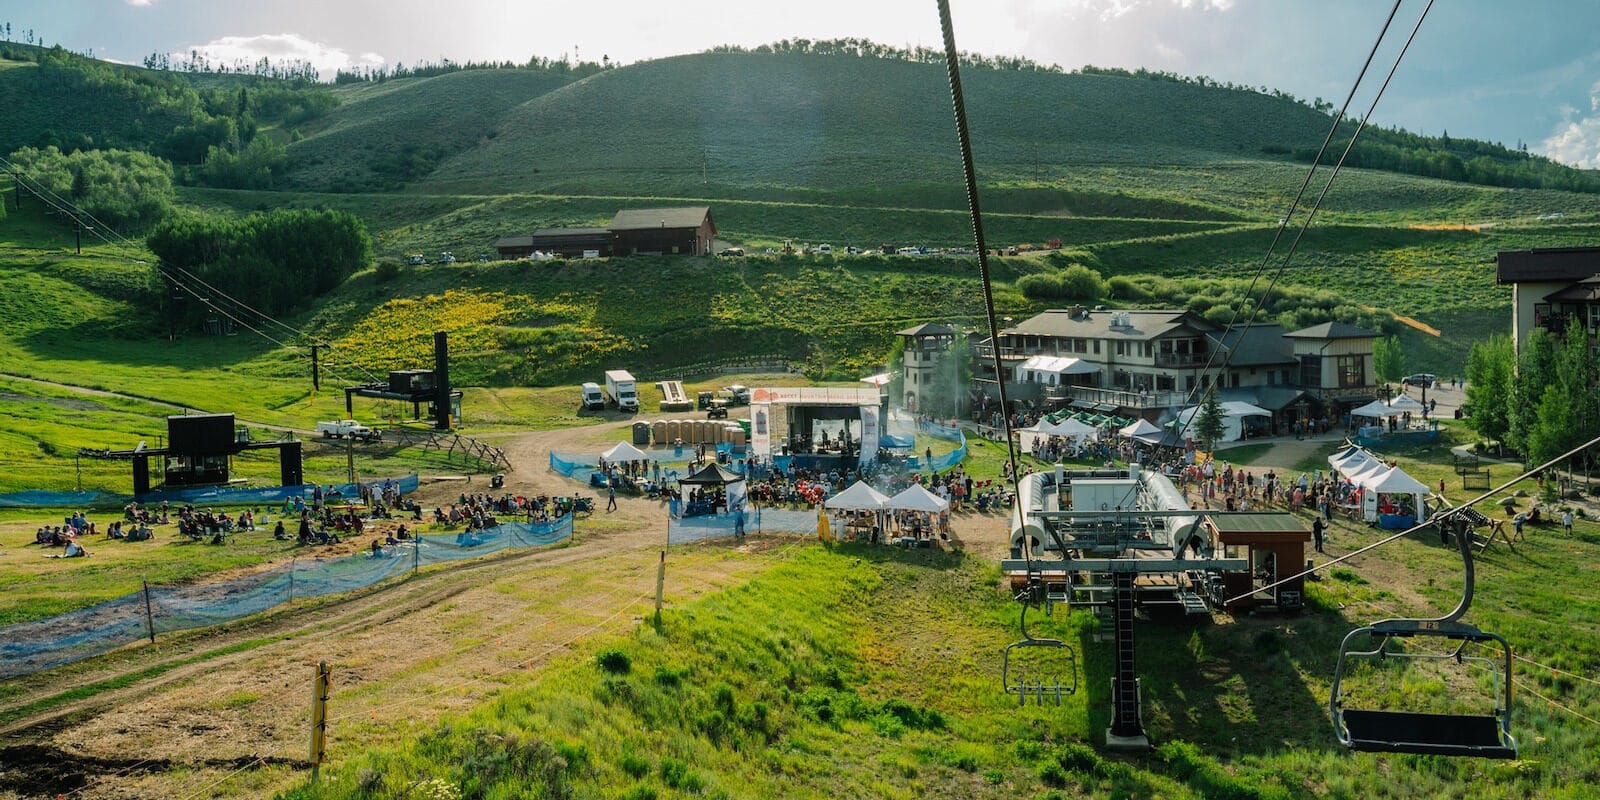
x=205 y=495
x=32 y=646
x=763 y=520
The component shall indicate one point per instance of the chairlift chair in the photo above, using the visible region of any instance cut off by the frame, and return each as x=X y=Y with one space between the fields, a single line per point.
x=1384 y=731
x=1042 y=684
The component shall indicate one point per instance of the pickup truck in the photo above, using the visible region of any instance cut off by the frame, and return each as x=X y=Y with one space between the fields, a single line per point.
x=339 y=429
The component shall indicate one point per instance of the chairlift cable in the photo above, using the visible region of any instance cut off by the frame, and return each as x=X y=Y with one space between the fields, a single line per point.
x=964 y=138
x=1255 y=306
x=1553 y=703
x=1557 y=670
x=1438 y=517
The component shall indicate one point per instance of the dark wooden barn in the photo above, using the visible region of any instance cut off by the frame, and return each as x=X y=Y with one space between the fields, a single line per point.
x=688 y=231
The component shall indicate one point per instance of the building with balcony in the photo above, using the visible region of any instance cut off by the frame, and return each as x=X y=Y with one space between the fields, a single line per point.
x=927 y=377
x=1151 y=363
x=1549 y=287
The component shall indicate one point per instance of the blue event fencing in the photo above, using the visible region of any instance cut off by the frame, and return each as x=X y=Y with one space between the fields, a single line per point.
x=32 y=646
x=206 y=495
x=756 y=520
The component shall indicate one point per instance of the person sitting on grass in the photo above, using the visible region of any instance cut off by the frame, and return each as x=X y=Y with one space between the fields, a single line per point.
x=74 y=550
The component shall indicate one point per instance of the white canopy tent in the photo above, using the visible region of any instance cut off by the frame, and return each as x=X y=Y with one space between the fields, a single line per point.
x=1233 y=414
x=1377 y=409
x=1393 y=499
x=1141 y=429
x=1067 y=428
x=859 y=497
x=1404 y=403
x=624 y=451
x=880 y=379
x=916 y=498
x=919 y=501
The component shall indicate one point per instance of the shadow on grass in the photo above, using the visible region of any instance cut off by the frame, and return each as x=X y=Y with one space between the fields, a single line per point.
x=930 y=557
x=1232 y=690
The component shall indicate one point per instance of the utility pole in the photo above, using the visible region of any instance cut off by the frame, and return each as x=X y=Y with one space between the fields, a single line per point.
x=350 y=456
x=316 y=378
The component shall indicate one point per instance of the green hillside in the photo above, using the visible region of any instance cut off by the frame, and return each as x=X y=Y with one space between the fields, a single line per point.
x=820 y=122
x=384 y=134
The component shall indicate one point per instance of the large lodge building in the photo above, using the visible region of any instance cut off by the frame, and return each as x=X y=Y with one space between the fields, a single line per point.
x=1150 y=364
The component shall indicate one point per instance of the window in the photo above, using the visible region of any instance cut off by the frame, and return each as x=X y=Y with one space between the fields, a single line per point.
x=1188 y=383
x=1122 y=348
x=1235 y=551
x=1235 y=380
x=1310 y=371
x=1080 y=345
x=1350 y=371
x=1097 y=347
x=1164 y=383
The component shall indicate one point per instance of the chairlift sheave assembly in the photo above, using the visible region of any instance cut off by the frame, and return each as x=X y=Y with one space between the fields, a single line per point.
x=1386 y=731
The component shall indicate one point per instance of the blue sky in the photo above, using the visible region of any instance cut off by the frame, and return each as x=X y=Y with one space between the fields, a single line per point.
x=1527 y=71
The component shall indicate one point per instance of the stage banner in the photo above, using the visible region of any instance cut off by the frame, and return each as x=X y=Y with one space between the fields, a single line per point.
x=761 y=430
x=869 y=434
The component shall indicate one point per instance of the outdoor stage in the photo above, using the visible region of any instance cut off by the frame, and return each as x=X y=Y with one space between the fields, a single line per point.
x=821 y=428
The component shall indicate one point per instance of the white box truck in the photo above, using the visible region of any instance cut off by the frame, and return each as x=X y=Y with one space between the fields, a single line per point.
x=592 y=399
x=620 y=390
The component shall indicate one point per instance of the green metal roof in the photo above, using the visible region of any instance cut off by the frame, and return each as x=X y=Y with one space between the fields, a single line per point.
x=1236 y=521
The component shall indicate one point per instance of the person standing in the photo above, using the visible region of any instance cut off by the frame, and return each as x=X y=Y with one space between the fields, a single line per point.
x=1318 y=529
x=611 y=498
x=1566 y=521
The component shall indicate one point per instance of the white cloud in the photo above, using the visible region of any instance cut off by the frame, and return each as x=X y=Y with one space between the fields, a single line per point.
x=280 y=47
x=141 y=3
x=1576 y=139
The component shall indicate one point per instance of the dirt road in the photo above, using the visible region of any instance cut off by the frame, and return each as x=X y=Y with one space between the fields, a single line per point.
x=226 y=711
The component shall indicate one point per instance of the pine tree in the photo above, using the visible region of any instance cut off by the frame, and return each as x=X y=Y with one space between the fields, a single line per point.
x=1209 y=424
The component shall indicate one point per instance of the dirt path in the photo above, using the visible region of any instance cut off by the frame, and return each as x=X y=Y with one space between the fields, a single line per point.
x=226 y=710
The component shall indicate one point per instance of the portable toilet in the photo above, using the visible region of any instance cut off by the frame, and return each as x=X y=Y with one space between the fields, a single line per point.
x=641 y=433
x=674 y=431
x=658 y=432
x=736 y=435
x=700 y=434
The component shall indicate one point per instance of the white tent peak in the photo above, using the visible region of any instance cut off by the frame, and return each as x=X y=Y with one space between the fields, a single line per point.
x=916 y=498
x=859 y=496
x=624 y=451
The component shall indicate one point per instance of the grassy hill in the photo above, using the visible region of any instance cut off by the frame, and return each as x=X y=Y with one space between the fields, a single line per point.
x=384 y=134
x=820 y=122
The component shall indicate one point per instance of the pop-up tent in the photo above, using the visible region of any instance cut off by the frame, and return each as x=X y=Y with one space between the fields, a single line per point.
x=916 y=498
x=1404 y=403
x=1233 y=415
x=920 y=510
x=1393 y=499
x=1142 y=430
x=623 y=451
x=1066 y=428
x=859 y=497
x=711 y=475
x=1378 y=409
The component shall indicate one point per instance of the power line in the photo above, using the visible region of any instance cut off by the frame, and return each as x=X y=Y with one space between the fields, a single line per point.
x=1579 y=715
x=1256 y=306
x=100 y=229
x=1556 y=670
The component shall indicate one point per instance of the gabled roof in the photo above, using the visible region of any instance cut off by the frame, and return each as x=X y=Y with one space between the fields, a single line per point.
x=550 y=233
x=1547 y=264
x=1142 y=324
x=1332 y=330
x=927 y=329
x=1257 y=345
x=513 y=241
x=635 y=219
x=1584 y=291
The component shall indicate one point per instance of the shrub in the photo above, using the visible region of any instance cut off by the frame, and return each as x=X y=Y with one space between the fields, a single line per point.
x=388 y=269
x=634 y=766
x=614 y=661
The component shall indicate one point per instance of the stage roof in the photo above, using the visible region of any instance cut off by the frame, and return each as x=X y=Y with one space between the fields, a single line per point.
x=817 y=396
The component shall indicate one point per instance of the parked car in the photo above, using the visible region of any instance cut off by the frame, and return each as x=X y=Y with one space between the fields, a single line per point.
x=717 y=412
x=731 y=251
x=1421 y=379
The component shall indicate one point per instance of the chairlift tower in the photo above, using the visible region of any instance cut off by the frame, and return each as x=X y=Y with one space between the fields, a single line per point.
x=1089 y=536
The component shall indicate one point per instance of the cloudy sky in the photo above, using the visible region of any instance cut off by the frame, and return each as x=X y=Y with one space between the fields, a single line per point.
x=1527 y=71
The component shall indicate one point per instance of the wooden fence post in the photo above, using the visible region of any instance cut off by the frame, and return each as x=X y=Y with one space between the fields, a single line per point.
x=661 y=580
x=319 y=717
x=149 y=614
